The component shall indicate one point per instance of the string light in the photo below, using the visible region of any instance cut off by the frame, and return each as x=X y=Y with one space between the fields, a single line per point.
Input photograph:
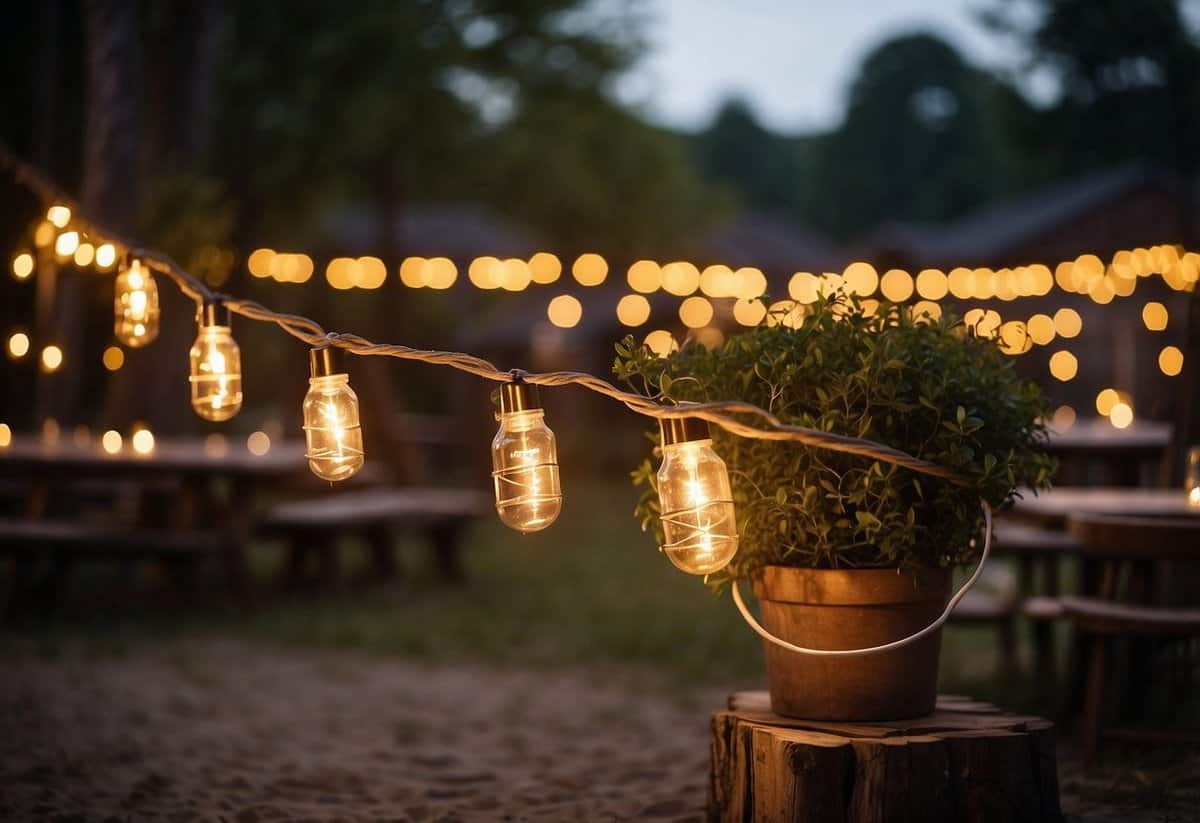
x=525 y=461
x=22 y=266
x=106 y=255
x=111 y=441
x=695 y=498
x=135 y=305
x=216 y=364
x=143 y=441
x=1121 y=415
x=332 y=431
x=66 y=244
x=58 y=216
x=18 y=345
x=52 y=359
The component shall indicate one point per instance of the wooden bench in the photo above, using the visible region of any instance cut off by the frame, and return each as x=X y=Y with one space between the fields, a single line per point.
x=968 y=761
x=59 y=545
x=314 y=526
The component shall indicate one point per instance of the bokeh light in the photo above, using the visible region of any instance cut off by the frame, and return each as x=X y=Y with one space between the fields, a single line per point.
x=259 y=262
x=544 y=268
x=695 y=312
x=1105 y=400
x=66 y=244
x=52 y=359
x=1041 y=329
x=111 y=441
x=484 y=272
x=1121 y=415
x=633 y=310
x=749 y=312
x=1154 y=315
x=143 y=441
x=804 y=287
x=589 y=269
x=644 y=276
x=18 y=345
x=1067 y=323
x=565 y=311
x=1170 y=361
x=896 y=285
x=861 y=279
x=258 y=443
x=22 y=265
x=680 y=278
x=932 y=284
x=113 y=358
x=84 y=255
x=1063 y=366
x=1063 y=418
x=58 y=215
x=5 y=436
x=106 y=256
x=661 y=342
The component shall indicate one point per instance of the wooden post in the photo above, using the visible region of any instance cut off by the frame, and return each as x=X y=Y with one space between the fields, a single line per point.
x=966 y=762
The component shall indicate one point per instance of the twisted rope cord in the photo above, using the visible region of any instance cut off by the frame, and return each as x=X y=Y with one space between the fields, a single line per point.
x=723 y=413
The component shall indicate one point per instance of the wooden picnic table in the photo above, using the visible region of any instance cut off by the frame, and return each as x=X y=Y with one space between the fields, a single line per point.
x=1121 y=452
x=1053 y=507
x=186 y=466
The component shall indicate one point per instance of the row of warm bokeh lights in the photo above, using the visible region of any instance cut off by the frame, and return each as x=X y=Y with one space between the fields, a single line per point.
x=699 y=289
x=140 y=440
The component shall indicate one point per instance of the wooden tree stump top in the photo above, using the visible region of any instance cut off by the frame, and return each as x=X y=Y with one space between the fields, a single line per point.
x=967 y=761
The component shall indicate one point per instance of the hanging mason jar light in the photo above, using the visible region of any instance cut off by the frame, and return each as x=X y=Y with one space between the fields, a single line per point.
x=525 y=461
x=135 y=305
x=216 y=363
x=332 y=431
x=695 y=499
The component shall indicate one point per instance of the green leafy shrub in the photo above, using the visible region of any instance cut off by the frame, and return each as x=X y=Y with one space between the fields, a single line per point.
x=931 y=388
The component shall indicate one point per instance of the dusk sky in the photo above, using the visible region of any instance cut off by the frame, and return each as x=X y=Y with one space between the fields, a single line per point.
x=794 y=58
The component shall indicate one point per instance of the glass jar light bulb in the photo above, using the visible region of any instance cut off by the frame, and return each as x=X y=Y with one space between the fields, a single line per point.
x=525 y=462
x=216 y=362
x=135 y=306
x=332 y=431
x=699 y=526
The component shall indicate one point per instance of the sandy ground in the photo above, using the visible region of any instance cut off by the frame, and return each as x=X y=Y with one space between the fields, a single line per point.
x=229 y=732
x=225 y=731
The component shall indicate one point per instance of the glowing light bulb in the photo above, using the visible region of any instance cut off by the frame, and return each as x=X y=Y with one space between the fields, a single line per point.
x=331 y=426
x=698 y=521
x=525 y=462
x=216 y=362
x=135 y=306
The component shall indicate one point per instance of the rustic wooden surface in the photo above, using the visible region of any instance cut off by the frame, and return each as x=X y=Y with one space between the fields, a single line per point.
x=968 y=761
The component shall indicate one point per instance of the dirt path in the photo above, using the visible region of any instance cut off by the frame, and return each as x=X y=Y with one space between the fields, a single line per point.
x=233 y=732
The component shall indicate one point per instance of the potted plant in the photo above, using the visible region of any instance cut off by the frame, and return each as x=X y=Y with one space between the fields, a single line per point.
x=845 y=551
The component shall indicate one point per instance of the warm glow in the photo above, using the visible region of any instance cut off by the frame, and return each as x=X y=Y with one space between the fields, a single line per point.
x=1170 y=361
x=412 y=272
x=1041 y=329
x=644 y=276
x=565 y=311
x=5 y=436
x=1154 y=315
x=259 y=262
x=804 y=287
x=633 y=310
x=332 y=431
x=718 y=280
x=258 y=443
x=699 y=526
x=786 y=313
x=18 y=345
x=749 y=283
x=51 y=431
x=22 y=265
x=695 y=312
x=143 y=441
x=1043 y=280
x=59 y=216
x=525 y=471
x=1014 y=337
x=1067 y=323
x=85 y=254
x=113 y=358
x=544 y=268
x=106 y=255
x=372 y=273
x=514 y=274
x=959 y=281
x=749 y=312
x=216 y=373
x=337 y=273
x=1105 y=401
x=135 y=306
x=52 y=358
x=680 y=278
x=484 y=272
x=860 y=279
x=43 y=236
x=441 y=273
x=896 y=285
x=1063 y=366
x=1063 y=418
x=661 y=342
x=111 y=441
x=66 y=244
x=590 y=269
x=985 y=323
x=1121 y=415
x=710 y=337
x=932 y=284
x=291 y=268
x=926 y=310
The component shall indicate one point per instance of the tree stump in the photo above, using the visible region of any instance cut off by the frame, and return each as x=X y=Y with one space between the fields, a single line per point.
x=968 y=761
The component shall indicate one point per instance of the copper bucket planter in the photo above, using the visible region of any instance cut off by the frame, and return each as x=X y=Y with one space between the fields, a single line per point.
x=849 y=609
